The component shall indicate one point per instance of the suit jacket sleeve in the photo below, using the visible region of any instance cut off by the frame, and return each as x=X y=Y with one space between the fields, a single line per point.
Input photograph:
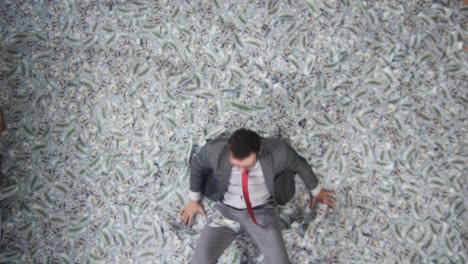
x=199 y=165
x=298 y=164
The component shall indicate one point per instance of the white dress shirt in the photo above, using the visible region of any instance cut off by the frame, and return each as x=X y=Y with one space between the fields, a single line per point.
x=258 y=190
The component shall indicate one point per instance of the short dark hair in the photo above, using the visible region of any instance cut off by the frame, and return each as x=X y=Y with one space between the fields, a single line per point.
x=243 y=142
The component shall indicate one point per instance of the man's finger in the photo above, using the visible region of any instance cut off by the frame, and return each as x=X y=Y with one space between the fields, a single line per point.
x=333 y=200
x=202 y=211
x=187 y=219
x=327 y=200
x=190 y=221
x=314 y=201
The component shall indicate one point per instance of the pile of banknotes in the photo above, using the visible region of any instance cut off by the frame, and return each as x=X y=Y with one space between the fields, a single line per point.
x=106 y=101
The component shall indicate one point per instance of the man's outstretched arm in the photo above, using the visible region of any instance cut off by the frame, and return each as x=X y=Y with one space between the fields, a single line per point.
x=298 y=164
x=198 y=166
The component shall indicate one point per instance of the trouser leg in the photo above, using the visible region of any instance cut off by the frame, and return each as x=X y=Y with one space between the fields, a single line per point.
x=269 y=239
x=216 y=236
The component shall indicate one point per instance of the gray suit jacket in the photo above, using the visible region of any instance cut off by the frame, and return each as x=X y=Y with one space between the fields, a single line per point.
x=210 y=169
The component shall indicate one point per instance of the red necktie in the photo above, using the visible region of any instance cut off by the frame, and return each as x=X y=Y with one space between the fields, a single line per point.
x=245 y=191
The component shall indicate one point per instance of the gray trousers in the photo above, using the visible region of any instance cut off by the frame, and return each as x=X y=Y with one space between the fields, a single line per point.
x=226 y=223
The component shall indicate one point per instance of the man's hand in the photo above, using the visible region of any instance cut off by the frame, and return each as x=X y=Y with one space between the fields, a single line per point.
x=324 y=196
x=189 y=211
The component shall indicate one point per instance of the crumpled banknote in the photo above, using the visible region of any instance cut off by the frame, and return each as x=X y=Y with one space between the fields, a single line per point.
x=106 y=102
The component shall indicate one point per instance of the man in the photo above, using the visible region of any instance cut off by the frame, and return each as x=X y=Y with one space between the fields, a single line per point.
x=248 y=176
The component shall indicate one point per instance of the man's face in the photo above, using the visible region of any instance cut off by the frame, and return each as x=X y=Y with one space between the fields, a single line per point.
x=243 y=164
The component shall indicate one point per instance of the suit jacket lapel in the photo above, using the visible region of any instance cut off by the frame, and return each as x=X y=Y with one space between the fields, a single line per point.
x=267 y=169
x=225 y=168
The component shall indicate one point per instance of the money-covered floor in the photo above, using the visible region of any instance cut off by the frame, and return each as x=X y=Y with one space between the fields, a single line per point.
x=105 y=101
